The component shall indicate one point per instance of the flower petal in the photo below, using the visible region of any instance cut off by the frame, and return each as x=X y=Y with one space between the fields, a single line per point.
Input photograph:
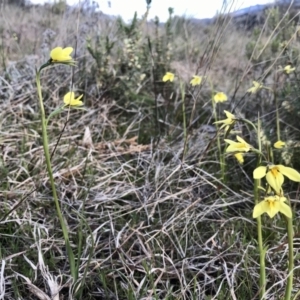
x=259 y=172
x=76 y=103
x=239 y=157
x=274 y=206
x=240 y=139
x=275 y=180
x=79 y=97
x=285 y=209
x=237 y=147
x=279 y=144
x=229 y=115
x=220 y=97
x=229 y=141
x=55 y=52
x=291 y=173
x=59 y=54
x=168 y=77
x=260 y=208
x=68 y=98
x=67 y=51
x=196 y=80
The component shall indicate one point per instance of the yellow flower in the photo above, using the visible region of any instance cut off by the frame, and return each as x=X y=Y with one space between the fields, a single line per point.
x=69 y=99
x=239 y=157
x=196 y=80
x=220 y=97
x=272 y=205
x=274 y=175
x=168 y=77
x=256 y=87
x=239 y=146
x=279 y=144
x=288 y=69
x=60 y=54
x=227 y=122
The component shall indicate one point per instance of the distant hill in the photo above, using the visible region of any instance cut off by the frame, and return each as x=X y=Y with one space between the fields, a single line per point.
x=247 y=18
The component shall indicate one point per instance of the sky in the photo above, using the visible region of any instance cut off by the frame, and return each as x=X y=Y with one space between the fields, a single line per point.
x=191 y=8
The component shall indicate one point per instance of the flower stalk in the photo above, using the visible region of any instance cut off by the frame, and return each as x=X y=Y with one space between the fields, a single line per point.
x=262 y=250
x=51 y=178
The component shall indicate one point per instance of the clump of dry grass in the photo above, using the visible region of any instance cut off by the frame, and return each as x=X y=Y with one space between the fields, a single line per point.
x=144 y=221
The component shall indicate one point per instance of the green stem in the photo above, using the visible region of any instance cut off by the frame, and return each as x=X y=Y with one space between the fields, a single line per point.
x=50 y=174
x=221 y=153
x=277 y=118
x=262 y=251
x=290 y=278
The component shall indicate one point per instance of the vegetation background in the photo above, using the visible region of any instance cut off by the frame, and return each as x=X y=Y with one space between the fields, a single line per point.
x=138 y=173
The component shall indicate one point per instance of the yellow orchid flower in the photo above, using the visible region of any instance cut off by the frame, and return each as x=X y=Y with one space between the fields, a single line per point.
x=240 y=146
x=279 y=144
x=227 y=122
x=288 y=69
x=272 y=205
x=69 y=100
x=239 y=157
x=255 y=88
x=274 y=175
x=220 y=97
x=196 y=80
x=60 y=54
x=168 y=77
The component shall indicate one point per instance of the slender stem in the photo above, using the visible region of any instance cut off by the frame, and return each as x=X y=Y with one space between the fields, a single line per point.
x=277 y=118
x=221 y=154
x=50 y=174
x=262 y=251
x=290 y=278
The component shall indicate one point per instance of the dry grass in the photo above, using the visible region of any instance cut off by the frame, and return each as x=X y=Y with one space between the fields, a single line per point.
x=144 y=223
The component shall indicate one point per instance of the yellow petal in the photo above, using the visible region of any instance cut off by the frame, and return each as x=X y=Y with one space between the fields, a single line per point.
x=68 y=98
x=76 y=103
x=279 y=144
x=259 y=172
x=288 y=69
x=255 y=88
x=67 y=51
x=241 y=140
x=59 y=54
x=196 y=80
x=285 y=209
x=230 y=141
x=54 y=54
x=229 y=115
x=273 y=207
x=79 y=97
x=260 y=208
x=238 y=147
x=239 y=157
x=226 y=121
x=291 y=173
x=275 y=179
x=220 y=97
x=168 y=77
